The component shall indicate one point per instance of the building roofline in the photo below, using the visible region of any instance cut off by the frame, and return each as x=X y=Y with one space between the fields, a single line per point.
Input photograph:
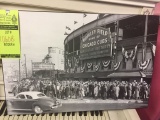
x=57 y=47
x=96 y=21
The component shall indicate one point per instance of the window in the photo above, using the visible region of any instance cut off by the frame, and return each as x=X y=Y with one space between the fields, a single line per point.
x=21 y=96
x=132 y=27
x=40 y=95
x=29 y=97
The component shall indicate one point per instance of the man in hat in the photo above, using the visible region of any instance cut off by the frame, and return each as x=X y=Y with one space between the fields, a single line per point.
x=96 y=91
x=129 y=90
x=137 y=90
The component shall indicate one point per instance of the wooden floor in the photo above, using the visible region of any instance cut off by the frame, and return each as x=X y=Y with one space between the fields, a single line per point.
x=128 y=114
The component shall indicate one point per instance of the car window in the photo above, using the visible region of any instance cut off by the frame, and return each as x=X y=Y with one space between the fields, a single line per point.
x=29 y=97
x=40 y=95
x=21 y=96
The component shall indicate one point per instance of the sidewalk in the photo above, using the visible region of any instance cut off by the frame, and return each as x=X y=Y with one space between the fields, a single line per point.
x=85 y=100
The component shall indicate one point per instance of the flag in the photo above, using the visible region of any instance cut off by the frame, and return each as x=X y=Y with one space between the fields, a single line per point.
x=68 y=28
x=75 y=22
x=153 y=49
x=66 y=33
x=84 y=15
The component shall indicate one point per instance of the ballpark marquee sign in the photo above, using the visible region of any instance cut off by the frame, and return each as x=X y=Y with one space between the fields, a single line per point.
x=96 y=43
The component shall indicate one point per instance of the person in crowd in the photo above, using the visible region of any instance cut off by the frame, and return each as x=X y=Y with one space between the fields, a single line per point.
x=67 y=91
x=129 y=90
x=137 y=90
x=15 y=90
x=117 y=91
x=41 y=86
x=81 y=90
x=91 y=88
x=96 y=91
x=78 y=89
x=103 y=91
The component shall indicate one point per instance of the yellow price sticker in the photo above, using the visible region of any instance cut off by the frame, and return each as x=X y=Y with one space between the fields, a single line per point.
x=9 y=34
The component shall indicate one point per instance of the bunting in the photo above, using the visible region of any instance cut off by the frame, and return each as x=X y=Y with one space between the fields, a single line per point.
x=89 y=65
x=116 y=66
x=143 y=65
x=97 y=66
x=106 y=63
x=76 y=61
x=129 y=55
x=83 y=68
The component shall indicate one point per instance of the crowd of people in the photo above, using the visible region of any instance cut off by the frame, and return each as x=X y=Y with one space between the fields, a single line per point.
x=74 y=89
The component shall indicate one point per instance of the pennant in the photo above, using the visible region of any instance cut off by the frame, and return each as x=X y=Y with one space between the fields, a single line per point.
x=68 y=28
x=84 y=15
x=75 y=22
x=66 y=33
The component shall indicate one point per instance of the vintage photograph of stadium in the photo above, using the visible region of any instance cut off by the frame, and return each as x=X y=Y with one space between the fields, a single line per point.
x=81 y=62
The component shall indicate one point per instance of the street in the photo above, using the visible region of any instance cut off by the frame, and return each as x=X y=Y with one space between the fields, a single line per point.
x=89 y=105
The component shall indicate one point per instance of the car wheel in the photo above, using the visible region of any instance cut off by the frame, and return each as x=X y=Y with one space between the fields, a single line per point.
x=38 y=110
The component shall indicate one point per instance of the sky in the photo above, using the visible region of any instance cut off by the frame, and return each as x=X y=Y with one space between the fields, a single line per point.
x=40 y=30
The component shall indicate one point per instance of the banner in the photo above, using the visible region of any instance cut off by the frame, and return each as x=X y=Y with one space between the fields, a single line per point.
x=36 y=66
x=96 y=43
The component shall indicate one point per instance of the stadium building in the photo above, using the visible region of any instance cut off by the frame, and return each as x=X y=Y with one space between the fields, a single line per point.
x=113 y=47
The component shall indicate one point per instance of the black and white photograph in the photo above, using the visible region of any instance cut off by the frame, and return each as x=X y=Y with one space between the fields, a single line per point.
x=81 y=62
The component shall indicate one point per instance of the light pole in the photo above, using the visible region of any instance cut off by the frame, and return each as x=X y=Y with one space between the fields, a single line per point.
x=32 y=68
x=25 y=65
x=19 y=75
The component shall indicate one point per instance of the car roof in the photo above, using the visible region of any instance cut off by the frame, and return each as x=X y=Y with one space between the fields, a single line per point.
x=33 y=94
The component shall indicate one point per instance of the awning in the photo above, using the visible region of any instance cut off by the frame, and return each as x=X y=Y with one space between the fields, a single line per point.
x=126 y=74
x=84 y=75
x=103 y=74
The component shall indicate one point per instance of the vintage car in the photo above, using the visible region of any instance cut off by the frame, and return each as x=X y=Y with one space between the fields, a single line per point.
x=35 y=101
